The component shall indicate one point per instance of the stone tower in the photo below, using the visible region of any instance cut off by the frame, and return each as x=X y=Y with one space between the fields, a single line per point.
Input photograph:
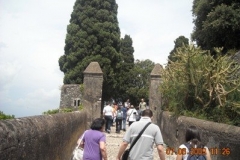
x=71 y=97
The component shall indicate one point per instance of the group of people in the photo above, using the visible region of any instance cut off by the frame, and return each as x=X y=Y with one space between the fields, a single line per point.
x=94 y=140
x=121 y=114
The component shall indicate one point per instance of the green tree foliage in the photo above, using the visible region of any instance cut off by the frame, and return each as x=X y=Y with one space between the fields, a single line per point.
x=140 y=81
x=126 y=65
x=4 y=116
x=217 y=24
x=202 y=86
x=179 y=42
x=92 y=35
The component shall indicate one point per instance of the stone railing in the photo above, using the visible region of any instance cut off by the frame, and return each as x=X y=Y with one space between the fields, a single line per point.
x=45 y=137
x=222 y=140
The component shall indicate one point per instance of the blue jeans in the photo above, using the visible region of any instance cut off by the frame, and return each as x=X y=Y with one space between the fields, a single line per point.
x=124 y=124
x=108 y=123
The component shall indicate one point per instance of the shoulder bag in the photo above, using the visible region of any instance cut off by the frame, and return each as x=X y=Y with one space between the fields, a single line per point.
x=126 y=152
x=129 y=116
x=78 y=151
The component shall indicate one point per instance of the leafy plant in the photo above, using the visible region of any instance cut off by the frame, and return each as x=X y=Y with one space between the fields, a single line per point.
x=4 y=116
x=53 y=111
x=80 y=107
x=200 y=85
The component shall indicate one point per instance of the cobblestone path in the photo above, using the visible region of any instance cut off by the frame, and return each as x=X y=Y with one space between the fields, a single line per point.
x=114 y=141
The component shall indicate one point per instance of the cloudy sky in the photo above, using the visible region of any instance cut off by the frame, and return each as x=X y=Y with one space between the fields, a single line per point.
x=32 y=35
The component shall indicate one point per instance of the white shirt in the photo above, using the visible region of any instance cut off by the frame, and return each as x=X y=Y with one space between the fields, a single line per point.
x=185 y=156
x=131 y=115
x=107 y=110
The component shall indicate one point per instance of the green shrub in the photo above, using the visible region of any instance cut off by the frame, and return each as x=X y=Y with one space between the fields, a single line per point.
x=53 y=111
x=202 y=86
x=4 y=116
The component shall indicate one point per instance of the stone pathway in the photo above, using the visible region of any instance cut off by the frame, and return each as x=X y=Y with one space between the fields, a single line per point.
x=114 y=141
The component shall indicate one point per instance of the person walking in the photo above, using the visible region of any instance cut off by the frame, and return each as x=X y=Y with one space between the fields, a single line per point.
x=193 y=140
x=127 y=104
x=142 y=104
x=132 y=115
x=114 y=107
x=143 y=149
x=108 y=116
x=94 y=141
x=119 y=117
x=139 y=111
x=124 y=110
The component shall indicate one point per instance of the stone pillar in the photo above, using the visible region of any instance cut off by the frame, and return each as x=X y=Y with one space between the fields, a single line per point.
x=92 y=90
x=155 y=98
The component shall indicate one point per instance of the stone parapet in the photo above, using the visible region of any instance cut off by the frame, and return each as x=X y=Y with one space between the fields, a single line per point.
x=217 y=136
x=45 y=137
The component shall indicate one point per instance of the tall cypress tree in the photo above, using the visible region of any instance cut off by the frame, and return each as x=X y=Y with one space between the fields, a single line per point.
x=127 y=63
x=92 y=35
x=179 y=42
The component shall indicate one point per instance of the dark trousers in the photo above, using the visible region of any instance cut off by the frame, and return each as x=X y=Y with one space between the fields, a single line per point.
x=108 y=122
x=118 y=125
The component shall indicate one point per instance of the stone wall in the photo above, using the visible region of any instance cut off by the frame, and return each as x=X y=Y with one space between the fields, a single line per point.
x=216 y=136
x=71 y=96
x=45 y=137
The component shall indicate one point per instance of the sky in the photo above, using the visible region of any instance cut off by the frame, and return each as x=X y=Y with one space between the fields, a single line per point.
x=32 y=38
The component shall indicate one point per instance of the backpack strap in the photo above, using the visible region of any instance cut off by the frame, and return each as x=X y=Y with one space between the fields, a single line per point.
x=187 y=145
x=189 y=150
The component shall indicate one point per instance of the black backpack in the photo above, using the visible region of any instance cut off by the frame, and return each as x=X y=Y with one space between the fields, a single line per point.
x=194 y=156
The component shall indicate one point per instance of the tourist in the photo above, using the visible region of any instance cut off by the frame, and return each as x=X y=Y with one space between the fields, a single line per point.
x=193 y=140
x=127 y=103
x=124 y=110
x=132 y=115
x=94 y=141
x=108 y=115
x=138 y=116
x=114 y=107
x=142 y=105
x=119 y=117
x=143 y=149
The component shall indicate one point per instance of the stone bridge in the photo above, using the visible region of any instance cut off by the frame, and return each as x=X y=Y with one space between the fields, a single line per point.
x=53 y=137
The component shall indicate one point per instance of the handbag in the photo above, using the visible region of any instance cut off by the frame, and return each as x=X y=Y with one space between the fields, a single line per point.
x=77 y=154
x=78 y=151
x=127 y=151
x=125 y=154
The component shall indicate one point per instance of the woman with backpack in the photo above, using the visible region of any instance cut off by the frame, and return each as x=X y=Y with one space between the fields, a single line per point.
x=119 y=118
x=193 y=148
